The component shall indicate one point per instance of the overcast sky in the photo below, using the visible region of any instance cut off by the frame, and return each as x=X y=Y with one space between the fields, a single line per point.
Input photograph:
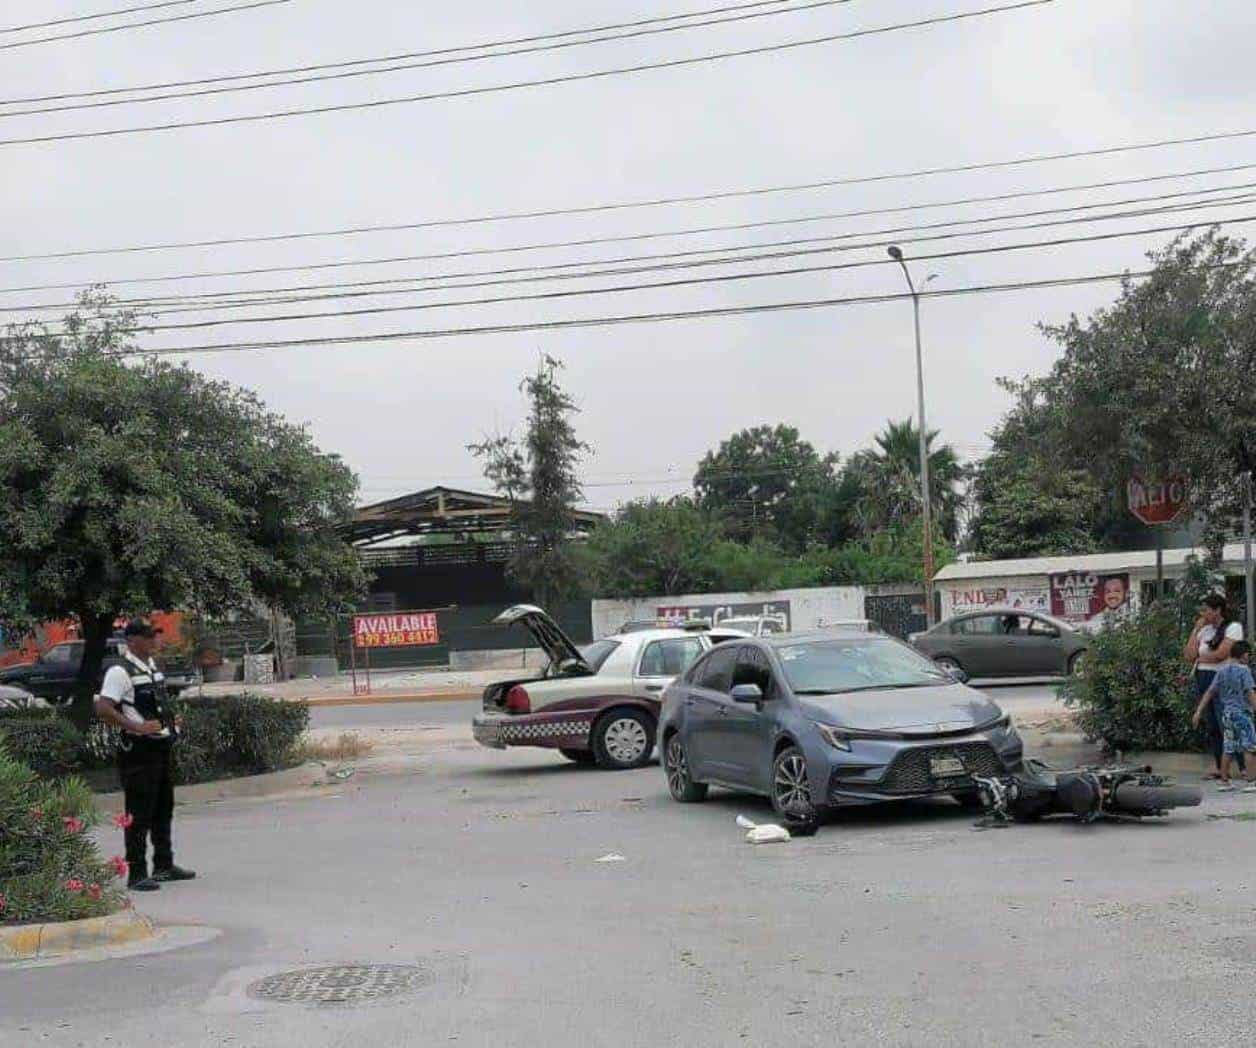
x=1072 y=75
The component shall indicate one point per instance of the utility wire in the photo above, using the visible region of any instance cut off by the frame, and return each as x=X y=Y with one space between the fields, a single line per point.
x=140 y=25
x=102 y=14
x=702 y=198
x=639 y=318
x=686 y=281
x=404 y=66
x=522 y=84
x=385 y=58
x=244 y=297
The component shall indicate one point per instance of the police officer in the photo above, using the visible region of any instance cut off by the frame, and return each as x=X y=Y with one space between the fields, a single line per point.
x=133 y=699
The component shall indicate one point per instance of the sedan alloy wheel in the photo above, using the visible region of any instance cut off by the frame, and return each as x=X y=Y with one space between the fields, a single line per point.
x=679 y=778
x=790 y=789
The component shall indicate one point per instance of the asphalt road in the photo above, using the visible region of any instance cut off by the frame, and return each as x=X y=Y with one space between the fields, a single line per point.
x=893 y=926
x=1015 y=698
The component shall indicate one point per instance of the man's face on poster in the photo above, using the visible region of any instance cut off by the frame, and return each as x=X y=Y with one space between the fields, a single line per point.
x=1114 y=594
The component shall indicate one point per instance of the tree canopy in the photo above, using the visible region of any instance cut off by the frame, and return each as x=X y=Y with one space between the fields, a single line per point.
x=128 y=486
x=539 y=476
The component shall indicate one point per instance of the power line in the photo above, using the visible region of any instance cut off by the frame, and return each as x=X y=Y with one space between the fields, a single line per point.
x=140 y=25
x=384 y=58
x=255 y=271
x=223 y=299
x=724 y=195
x=102 y=14
x=652 y=30
x=683 y=282
x=467 y=92
x=638 y=318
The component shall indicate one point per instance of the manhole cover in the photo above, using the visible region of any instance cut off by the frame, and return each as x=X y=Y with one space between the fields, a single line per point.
x=341 y=984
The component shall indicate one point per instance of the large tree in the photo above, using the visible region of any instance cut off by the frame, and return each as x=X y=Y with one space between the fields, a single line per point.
x=653 y=547
x=131 y=485
x=539 y=476
x=1160 y=381
x=887 y=477
x=1026 y=502
x=768 y=483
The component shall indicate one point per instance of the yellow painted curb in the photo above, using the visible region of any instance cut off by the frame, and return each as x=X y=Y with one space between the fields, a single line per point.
x=32 y=941
x=383 y=698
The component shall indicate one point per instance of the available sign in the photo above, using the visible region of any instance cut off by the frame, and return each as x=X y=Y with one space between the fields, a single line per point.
x=1083 y=597
x=1157 y=503
x=400 y=630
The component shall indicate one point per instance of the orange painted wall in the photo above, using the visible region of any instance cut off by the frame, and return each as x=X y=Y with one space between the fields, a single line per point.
x=53 y=633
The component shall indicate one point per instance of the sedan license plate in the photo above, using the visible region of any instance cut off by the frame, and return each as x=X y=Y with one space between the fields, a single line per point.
x=946 y=767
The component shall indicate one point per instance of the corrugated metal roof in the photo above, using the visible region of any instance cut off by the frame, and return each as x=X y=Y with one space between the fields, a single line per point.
x=1097 y=562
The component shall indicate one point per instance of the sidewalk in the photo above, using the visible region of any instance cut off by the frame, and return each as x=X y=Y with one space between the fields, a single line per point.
x=435 y=685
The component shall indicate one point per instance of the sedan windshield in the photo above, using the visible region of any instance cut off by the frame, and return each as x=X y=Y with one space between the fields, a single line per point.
x=829 y=667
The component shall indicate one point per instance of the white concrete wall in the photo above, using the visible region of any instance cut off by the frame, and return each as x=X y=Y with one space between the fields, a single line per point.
x=808 y=608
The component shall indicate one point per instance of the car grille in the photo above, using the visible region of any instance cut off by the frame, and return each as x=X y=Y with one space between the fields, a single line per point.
x=909 y=773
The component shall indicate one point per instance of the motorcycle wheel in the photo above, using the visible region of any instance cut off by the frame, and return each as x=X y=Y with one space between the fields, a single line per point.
x=1131 y=797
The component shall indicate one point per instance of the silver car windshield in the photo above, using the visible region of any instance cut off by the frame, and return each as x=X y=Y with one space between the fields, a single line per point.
x=830 y=667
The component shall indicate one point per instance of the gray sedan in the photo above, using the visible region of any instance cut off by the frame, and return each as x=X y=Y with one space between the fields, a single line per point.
x=1004 y=642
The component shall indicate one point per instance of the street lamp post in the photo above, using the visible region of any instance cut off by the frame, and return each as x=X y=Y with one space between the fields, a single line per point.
x=926 y=500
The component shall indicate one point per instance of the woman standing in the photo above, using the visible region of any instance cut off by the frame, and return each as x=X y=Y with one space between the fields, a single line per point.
x=1212 y=637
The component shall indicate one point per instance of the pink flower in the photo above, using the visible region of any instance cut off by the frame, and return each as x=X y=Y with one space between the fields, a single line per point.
x=37 y=813
x=93 y=892
x=124 y=821
x=119 y=866
x=72 y=824
x=73 y=885
x=3 y=903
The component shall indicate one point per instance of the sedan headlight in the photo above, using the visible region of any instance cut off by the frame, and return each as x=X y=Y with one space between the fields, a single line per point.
x=834 y=736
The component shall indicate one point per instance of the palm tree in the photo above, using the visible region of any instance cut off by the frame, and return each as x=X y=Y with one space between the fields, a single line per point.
x=891 y=479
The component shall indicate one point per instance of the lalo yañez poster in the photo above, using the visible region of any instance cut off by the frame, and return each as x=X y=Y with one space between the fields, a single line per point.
x=1086 y=597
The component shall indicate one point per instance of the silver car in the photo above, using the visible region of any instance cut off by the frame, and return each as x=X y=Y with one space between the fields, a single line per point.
x=1004 y=642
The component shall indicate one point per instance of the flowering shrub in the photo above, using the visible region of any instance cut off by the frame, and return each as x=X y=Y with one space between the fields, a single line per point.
x=50 y=869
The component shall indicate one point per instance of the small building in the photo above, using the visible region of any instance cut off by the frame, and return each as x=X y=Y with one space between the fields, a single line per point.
x=1078 y=589
x=446 y=548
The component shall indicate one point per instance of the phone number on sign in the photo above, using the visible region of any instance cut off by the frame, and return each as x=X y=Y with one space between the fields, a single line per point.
x=405 y=638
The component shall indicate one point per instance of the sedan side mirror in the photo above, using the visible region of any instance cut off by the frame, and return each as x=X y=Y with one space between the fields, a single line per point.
x=750 y=694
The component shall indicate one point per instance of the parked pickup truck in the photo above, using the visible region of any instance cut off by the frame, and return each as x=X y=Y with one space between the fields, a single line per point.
x=52 y=675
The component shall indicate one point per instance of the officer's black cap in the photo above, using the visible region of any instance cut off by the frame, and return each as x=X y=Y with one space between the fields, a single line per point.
x=140 y=628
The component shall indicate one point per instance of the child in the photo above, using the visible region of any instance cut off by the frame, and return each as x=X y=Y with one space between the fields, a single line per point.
x=1235 y=690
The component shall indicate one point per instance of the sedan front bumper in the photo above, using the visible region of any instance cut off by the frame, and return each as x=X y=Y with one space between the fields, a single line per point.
x=887 y=771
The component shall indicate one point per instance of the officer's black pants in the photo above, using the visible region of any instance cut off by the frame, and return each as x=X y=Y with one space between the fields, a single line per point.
x=149 y=788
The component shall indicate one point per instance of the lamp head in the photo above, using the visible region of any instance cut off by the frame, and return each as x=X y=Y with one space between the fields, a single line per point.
x=896 y=252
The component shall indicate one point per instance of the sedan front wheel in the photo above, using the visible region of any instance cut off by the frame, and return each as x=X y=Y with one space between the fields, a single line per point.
x=791 y=791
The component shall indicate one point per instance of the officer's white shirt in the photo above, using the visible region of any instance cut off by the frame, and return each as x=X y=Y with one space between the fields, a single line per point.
x=119 y=687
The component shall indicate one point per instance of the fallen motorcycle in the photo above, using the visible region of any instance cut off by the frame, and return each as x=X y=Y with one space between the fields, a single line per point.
x=1086 y=794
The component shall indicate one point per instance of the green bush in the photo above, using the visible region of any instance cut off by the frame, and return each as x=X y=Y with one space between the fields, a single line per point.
x=1134 y=692
x=42 y=740
x=226 y=735
x=50 y=869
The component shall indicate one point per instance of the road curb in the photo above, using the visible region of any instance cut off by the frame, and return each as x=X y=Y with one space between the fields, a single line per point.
x=379 y=700
x=30 y=942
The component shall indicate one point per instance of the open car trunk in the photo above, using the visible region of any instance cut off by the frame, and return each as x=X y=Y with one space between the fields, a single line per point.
x=564 y=657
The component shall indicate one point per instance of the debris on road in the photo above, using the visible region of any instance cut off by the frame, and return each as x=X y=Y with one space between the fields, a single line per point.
x=611 y=857
x=765 y=833
x=340 y=774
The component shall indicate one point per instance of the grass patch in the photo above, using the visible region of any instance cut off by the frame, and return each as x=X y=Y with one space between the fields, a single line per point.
x=347 y=746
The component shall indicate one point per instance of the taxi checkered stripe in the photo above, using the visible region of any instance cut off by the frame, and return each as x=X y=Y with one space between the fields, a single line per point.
x=541 y=731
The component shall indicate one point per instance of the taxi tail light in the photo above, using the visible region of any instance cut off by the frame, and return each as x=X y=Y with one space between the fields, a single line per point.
x=517 y=700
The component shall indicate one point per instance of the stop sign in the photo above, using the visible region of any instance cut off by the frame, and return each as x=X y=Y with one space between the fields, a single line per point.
x=1158 y=502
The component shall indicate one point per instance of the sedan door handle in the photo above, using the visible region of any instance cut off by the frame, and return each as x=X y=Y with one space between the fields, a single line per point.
x=654 y=687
